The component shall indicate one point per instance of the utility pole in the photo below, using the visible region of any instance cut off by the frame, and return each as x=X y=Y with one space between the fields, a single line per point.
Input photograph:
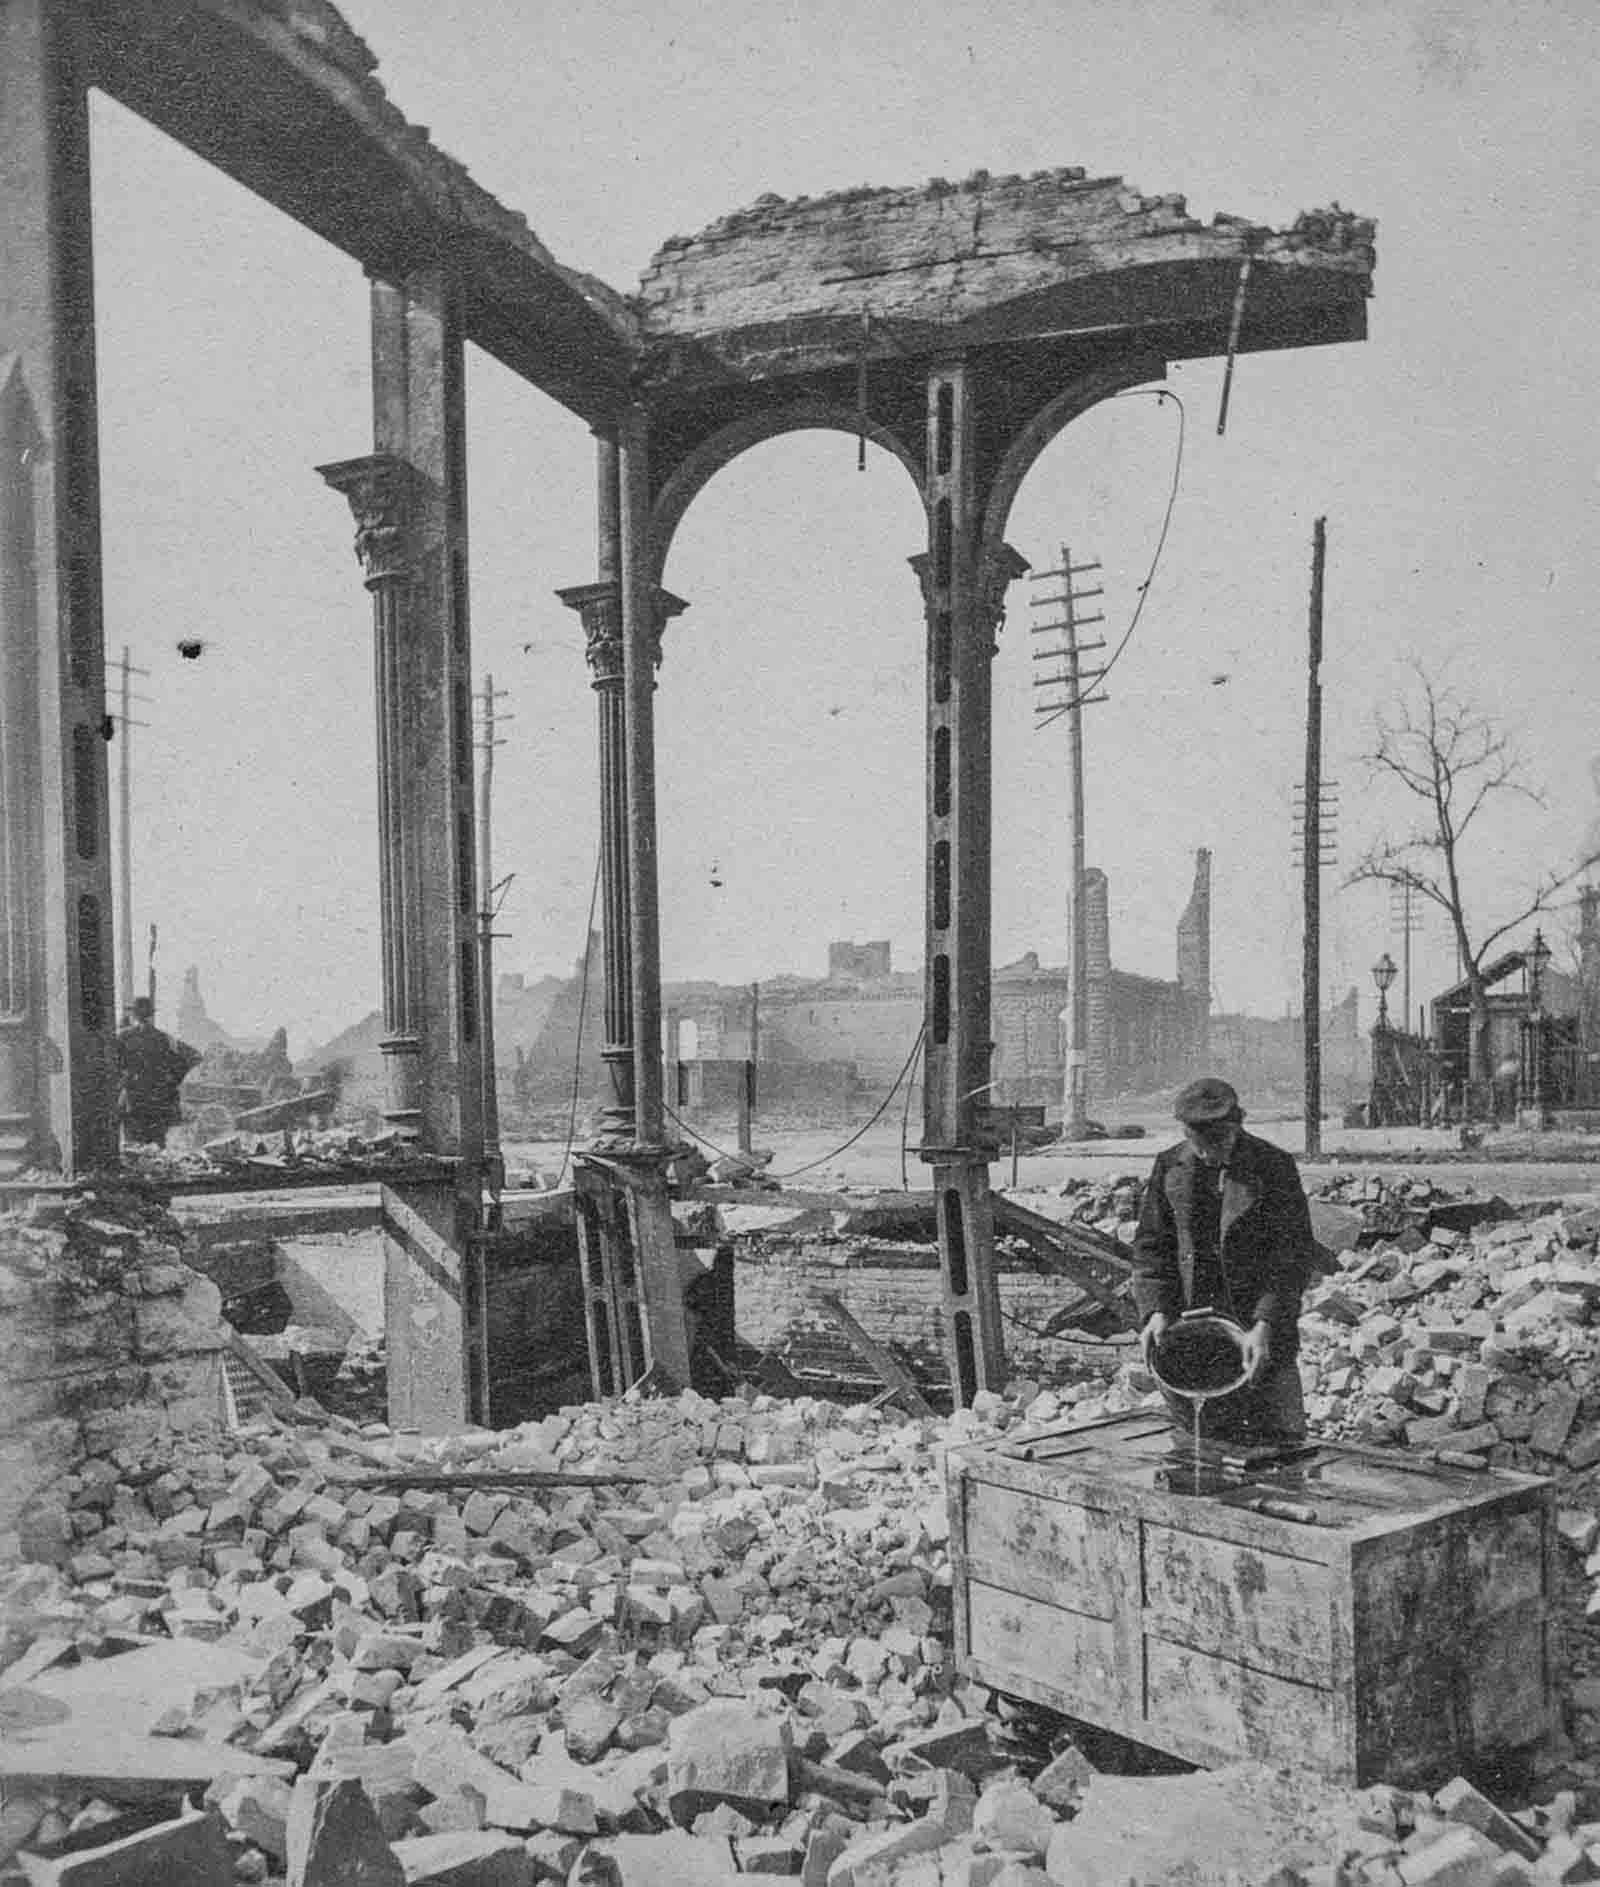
x=490 y=1094
x=1073 y=679
x=1404 y=914
x=1311 y=842
x=125 y=723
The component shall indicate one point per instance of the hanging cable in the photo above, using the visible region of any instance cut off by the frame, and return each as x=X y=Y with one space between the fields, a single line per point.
x=905 y=1117
x=710 y=1146
x=583 y=1008
x=1158 y=394
x=872 y=1119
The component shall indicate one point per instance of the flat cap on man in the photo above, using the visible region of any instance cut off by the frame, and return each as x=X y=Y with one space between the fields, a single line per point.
x=1205 y=1100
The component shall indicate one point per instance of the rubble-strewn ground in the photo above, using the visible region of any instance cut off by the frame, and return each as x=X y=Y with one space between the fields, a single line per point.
x=737 y=1660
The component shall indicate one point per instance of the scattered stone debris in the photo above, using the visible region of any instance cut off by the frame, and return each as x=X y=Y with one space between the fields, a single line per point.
x=737 y=1660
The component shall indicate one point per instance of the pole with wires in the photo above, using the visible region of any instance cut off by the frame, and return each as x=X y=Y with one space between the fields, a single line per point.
x=1078 y=684
x=494 y=1158
x=125 y=723
x=1312 y=841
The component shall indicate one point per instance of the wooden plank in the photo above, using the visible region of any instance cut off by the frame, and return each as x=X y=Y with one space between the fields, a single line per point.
x=1051 y=1550
x=1509 y=1699
x=1261 y=1609
x=1095 y=1266
x=1077 y=1657
x=872 y=1353
x=1221 y=1711
x=1091 y=1481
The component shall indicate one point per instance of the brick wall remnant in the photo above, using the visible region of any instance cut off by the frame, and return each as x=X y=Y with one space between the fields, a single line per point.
x=111 y=1342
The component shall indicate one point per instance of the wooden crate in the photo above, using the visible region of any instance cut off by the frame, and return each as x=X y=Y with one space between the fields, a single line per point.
x=1397 y=1631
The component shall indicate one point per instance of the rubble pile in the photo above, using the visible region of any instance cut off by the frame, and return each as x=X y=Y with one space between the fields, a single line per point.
x=1106 y=1205
x=677 y=1642
x=735 y=1662
x=1476 y=1341
x=299 y=1152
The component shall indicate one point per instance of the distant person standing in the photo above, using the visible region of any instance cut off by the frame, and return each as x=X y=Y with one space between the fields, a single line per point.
x=151 y=1065
x=1225 y=1227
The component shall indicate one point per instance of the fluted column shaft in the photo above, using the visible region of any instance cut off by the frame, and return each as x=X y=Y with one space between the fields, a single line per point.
x=599 y=606
x=377 y=488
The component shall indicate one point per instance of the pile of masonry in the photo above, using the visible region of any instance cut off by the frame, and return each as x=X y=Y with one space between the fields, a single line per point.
x=736 y=1660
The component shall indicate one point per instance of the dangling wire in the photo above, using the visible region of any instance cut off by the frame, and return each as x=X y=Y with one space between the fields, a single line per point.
x=583 y=1005
x=1235 y=323
x=1158 y=394
x=861 y=392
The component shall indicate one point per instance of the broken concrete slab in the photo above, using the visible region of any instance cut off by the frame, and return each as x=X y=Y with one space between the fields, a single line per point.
x=334 y=1840
x=466 y=1859
x=189 y=1851
x=727 y=1751
x=674 y=1858
x=1245 y=1817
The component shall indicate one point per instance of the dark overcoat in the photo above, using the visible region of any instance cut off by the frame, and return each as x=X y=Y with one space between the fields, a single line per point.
x=1268 y=1250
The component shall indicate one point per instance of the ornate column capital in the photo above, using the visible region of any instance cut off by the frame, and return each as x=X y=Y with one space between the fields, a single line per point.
x=378 y=488
x=599 y=605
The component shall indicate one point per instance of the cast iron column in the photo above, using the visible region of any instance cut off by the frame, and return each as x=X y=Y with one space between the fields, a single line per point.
x=409 y=497
x=411 y=514
x=963 y=600
x=642 y=1172
x=57 y=1002
x=599 y=605
x=640 y=650
x=376 y=488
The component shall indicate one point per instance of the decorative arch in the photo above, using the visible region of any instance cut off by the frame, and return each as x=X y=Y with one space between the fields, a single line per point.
x=1020 y=456
x=695 y=470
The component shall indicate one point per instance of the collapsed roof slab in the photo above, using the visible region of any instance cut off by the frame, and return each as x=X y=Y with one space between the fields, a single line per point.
x=281 y=95
x=801 y=287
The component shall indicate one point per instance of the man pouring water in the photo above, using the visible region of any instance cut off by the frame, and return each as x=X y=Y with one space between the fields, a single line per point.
x=1224 y=1228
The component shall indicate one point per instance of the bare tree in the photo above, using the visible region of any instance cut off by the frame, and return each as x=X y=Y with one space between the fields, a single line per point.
x=1452 y=759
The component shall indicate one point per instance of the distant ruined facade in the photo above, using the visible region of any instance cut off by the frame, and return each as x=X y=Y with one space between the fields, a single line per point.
x=1144 y=1033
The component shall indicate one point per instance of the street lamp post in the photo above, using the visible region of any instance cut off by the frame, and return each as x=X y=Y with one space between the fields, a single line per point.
x=1539 y=954
x=1384 y=972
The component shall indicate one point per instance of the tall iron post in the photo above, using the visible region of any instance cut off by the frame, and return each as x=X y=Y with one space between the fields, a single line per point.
x=1311 y=966
x=125 y=989
x=1074 y=679
x=1076 y=1125
x=494 y=1162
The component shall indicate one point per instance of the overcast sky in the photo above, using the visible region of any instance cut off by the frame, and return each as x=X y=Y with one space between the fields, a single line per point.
x=1453 y=455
